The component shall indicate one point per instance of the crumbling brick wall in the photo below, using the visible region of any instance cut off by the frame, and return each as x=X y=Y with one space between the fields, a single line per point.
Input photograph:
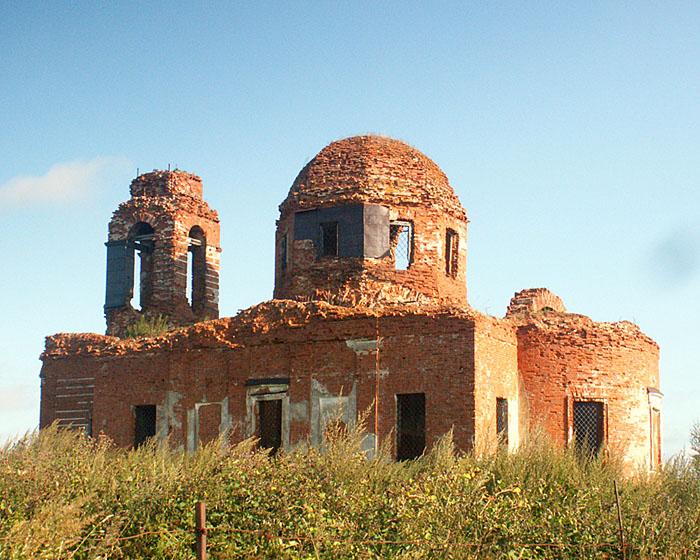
x=169 y=202
x=375 y=172
x=565 y=357
x=321 y=351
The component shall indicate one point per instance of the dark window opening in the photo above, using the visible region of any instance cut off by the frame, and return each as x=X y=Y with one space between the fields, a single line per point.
x=451 y=253
x=270 y=424
x=401 y=244
x=283 y=252
x=145 y=423
x=502 y=420
x=329 y=239
x=588 y=426
x=196 y=268
x=410 y=426
x=141 y=240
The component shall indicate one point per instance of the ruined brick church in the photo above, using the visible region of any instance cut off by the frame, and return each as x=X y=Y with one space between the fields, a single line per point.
x=369 y=316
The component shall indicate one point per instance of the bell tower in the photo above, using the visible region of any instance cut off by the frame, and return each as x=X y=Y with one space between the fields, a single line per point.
x=163 y=253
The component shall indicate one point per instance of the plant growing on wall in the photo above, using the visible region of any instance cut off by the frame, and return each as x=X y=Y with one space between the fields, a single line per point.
x=148 y=326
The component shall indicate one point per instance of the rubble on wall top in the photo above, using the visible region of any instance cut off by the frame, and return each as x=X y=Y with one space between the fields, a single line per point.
x=166 y=182
x=229 y=332
x=533 y=300
x=376 y=170
x=563 y=324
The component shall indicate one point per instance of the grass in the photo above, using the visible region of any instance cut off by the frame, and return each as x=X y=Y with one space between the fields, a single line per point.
x=63 y=495
x=148 y=326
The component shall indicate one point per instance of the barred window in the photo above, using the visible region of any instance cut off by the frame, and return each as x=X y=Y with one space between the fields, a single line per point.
x=401 y=243
x=589 y=424
x=329 y=239
x=502 y=420
x=410 y=426
x=144 y=423
x=270 y=424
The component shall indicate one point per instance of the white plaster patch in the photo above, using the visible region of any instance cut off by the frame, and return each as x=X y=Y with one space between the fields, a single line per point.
x=363 y=346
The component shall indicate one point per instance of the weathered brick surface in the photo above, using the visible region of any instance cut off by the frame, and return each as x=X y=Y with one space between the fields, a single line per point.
x=533 y=300
x=375 y=170
x=422 y=350
x=171 y=203
x=567 y=357
x=315 y=345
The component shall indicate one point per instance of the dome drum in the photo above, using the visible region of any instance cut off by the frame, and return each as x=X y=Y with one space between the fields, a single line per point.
x=371 y=219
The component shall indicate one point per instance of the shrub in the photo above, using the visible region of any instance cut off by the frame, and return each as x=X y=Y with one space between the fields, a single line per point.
x=148 y=325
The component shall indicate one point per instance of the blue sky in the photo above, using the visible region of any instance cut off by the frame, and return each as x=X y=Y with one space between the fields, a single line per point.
x=569 y=132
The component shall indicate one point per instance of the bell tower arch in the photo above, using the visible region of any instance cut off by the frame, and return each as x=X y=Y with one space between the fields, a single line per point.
x=163 y=253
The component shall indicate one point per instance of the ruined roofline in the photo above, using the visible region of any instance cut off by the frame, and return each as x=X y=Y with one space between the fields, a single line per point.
x=269 y=316
x=257 y=320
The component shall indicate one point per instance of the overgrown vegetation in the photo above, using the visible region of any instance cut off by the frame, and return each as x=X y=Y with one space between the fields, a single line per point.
x=66 y=496
x=148 y=325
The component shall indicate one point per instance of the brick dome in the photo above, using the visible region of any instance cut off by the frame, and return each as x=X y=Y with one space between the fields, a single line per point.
x=372 y=169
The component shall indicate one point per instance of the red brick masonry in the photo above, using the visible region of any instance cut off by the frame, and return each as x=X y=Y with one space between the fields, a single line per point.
x=344 y=330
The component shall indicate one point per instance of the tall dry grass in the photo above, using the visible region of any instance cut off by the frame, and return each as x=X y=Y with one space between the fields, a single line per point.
x=66 y=496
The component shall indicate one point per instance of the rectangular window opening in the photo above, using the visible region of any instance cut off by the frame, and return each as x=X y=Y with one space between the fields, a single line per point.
x=270 y=424
x=145 y=423
x=329 y=239
x=283 y=253
x=410 y=426
x=401 y=243
x=589 y=422
x=451 y=253
x=502 y=421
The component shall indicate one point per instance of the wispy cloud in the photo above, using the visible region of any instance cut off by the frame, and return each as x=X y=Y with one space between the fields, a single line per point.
x=676 y=258
x=63 y=182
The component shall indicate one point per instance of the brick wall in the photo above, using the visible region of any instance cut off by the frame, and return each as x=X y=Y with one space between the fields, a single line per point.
x=171 y=203
x=496 y=376
x=323 y=351
x=391 y=174
x=567 y=357
x=199 y=377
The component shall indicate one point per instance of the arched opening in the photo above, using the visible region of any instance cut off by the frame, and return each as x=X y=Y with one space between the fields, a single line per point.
x=141 y=240
x=196 y=268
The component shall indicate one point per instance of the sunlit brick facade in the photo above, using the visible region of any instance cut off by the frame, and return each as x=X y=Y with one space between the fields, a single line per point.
x=369 y=317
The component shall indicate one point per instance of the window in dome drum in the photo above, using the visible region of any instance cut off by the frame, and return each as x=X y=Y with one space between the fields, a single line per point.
x=401 y=243
x=144 y=423
x=502 y=421
x=329 y=239
x=410 y=426
x=283 y=252
x=451 y=253
x=589 y=425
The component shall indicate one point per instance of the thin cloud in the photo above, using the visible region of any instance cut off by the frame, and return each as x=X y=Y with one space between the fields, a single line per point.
x=676 y=257
x=62 y=183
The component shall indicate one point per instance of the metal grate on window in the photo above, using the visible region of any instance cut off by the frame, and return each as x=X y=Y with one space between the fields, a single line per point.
x=270 y=424
x=329 y=239
x=401 y=237
x=588 y=426
x=144 y=423
x=410 y=426
x=502 y=420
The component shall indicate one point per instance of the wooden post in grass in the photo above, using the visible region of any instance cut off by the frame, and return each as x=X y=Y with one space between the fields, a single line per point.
x=619 y=521
x=200 y=528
